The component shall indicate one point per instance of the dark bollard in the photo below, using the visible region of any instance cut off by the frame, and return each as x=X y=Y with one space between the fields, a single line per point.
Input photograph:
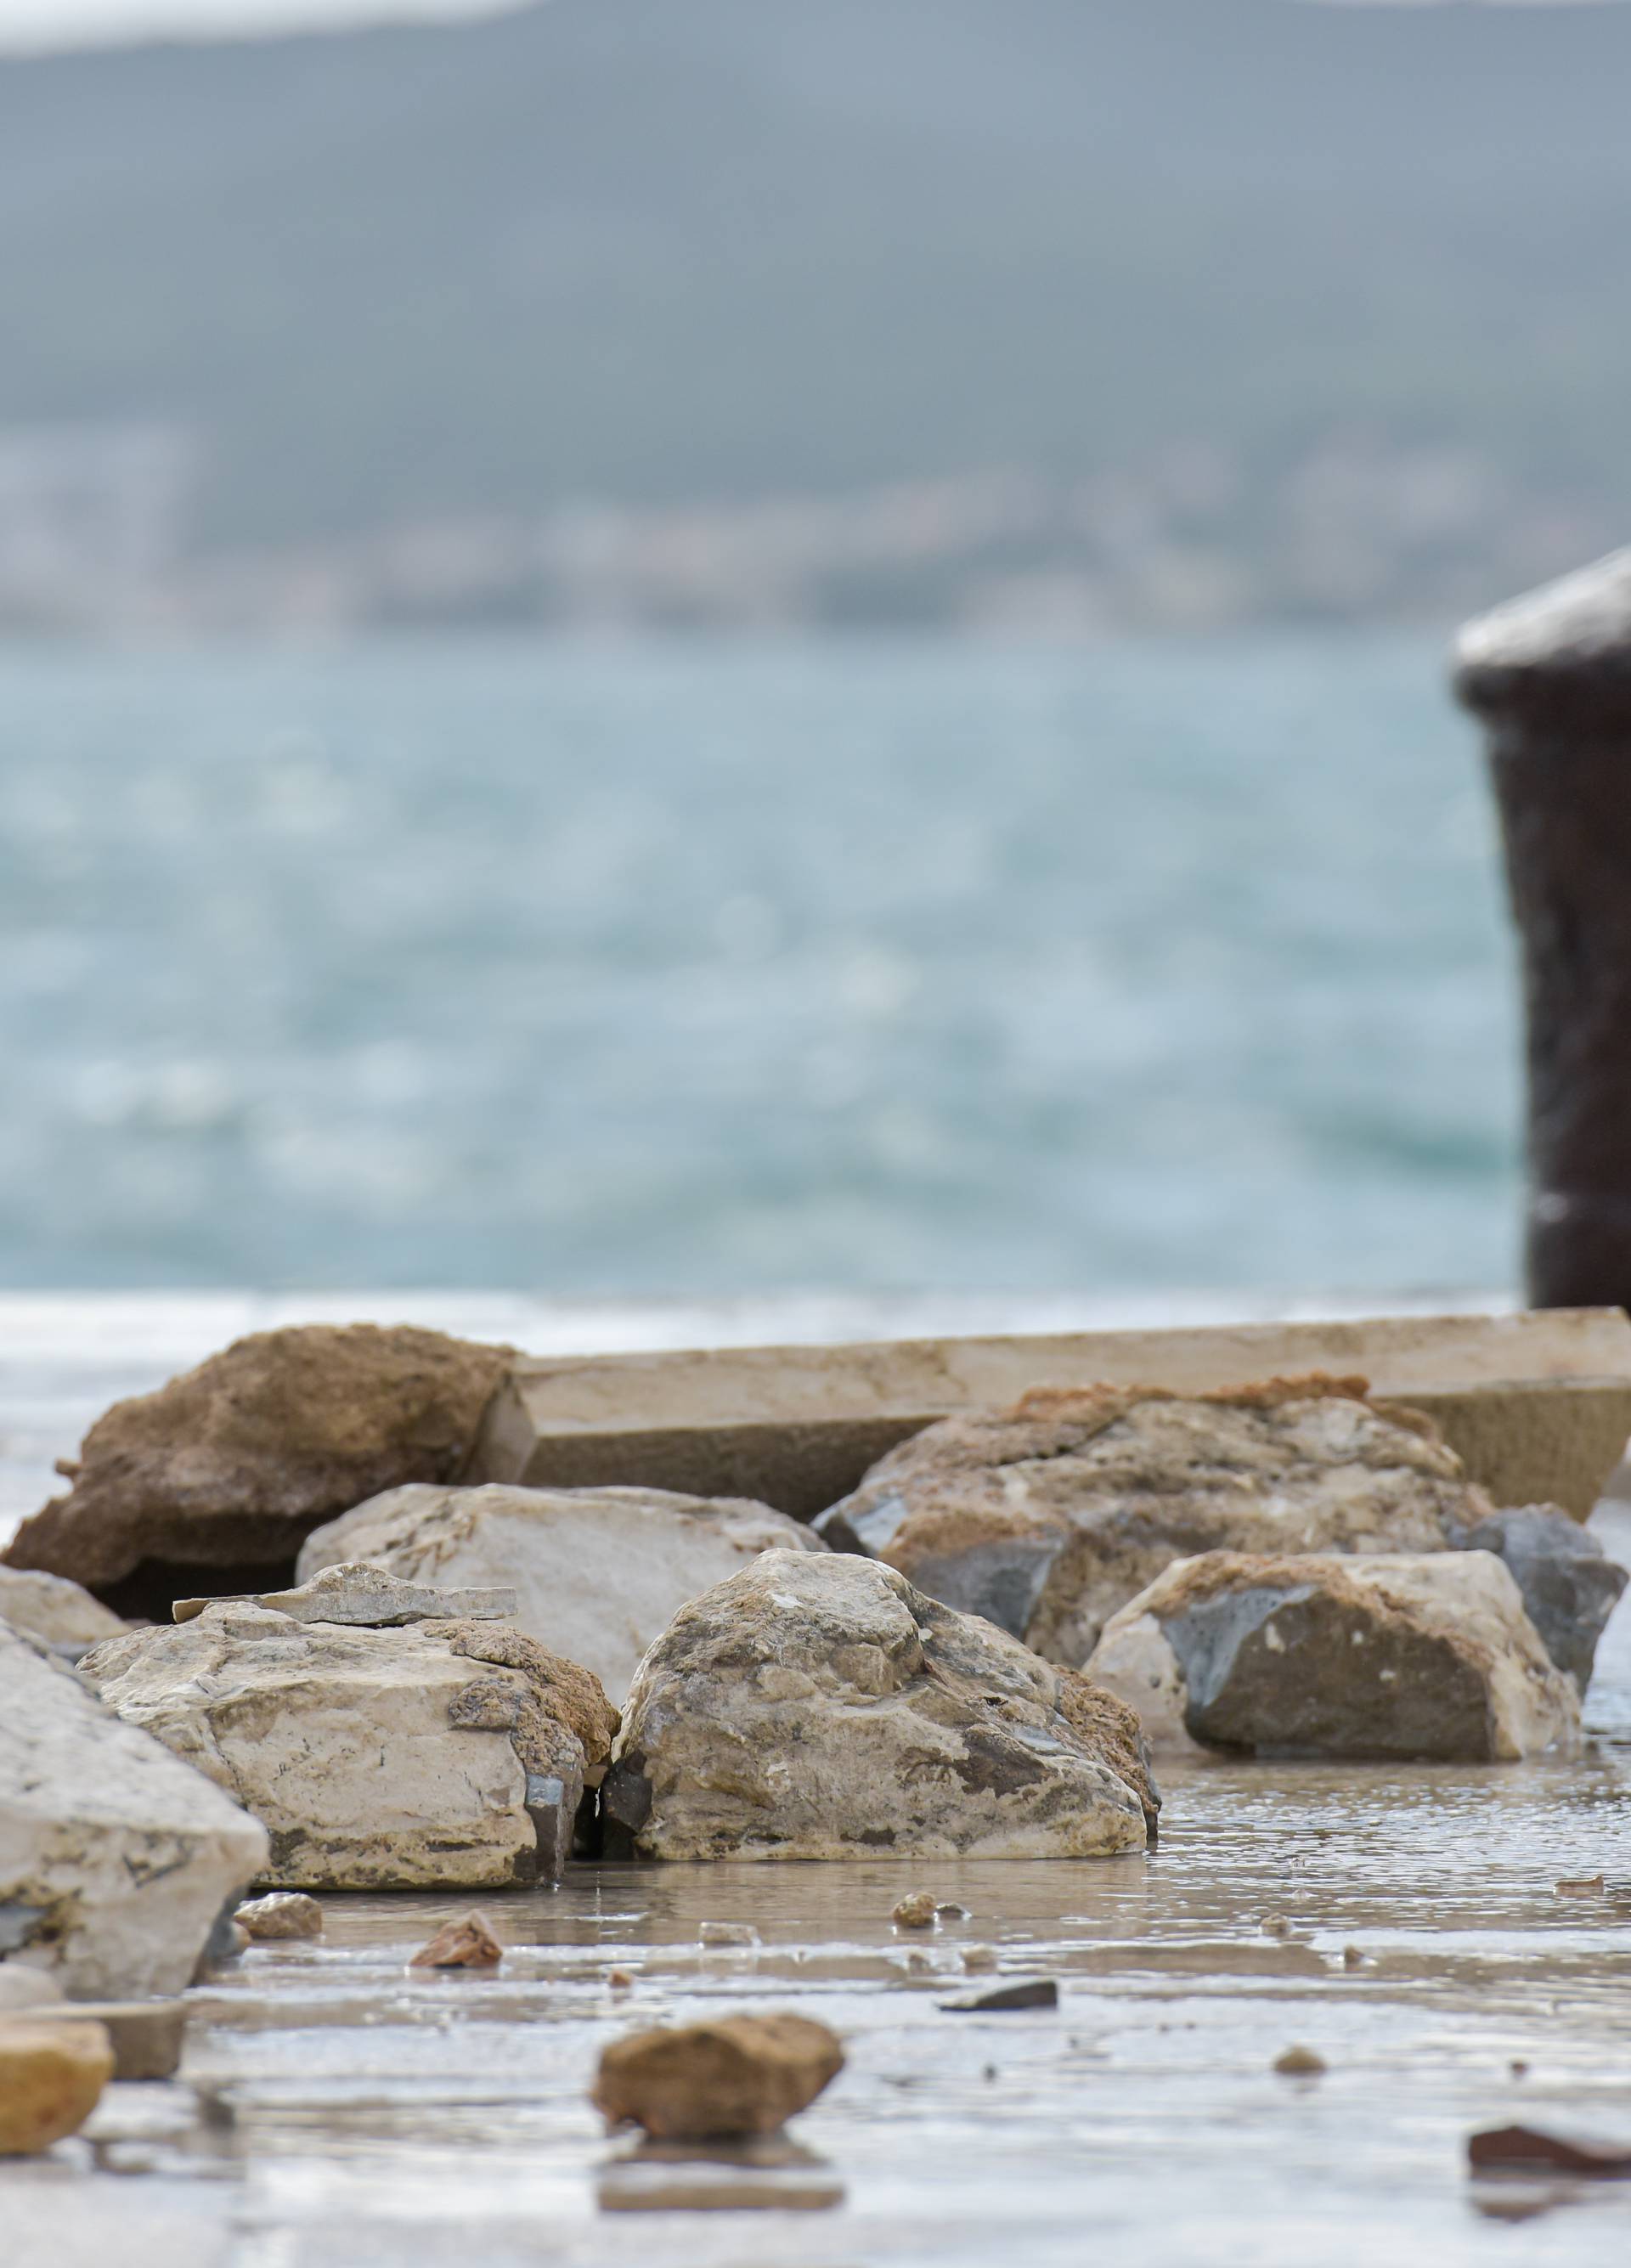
x=1550 y=677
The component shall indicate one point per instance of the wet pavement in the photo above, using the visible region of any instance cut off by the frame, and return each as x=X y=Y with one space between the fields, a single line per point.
x=335 y=2111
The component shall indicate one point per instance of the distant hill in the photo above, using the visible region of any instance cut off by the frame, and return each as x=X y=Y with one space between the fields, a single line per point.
x=667 y=252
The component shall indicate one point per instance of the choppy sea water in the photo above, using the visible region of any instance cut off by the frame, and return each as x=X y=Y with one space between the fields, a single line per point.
x=695 y=969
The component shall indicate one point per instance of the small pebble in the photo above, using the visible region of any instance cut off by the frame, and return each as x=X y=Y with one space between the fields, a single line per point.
x=1518 y=2068
x=919 y=1964
x=282 y=1914
x=1299 y=2063
x=51 y=2078
x=1352 y=1958
x=1275 y=1925
x=621 y=1981
x=977 y=1958
x=948 y=1910
x=728 y=1932
x=1585 y=1886
x=467 y=1944
x=916 y=1911
x=1034 y=1992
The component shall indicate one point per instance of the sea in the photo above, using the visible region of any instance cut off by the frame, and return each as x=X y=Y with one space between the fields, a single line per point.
x=695 y=970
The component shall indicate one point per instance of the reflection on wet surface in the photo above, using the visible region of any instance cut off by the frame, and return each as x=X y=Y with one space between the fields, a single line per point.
x=337 y=2111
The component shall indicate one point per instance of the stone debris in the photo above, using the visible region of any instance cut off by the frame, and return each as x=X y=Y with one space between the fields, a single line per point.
x=976 y=1959
x=116 y=1858
x=65 y=1618
x=439 y=1756
x=620 y=1980
x=1528 y=2150
x=367 y=1598
x=918 y=1910
x=736 y=2075
x=599 y=1573
x=1429 y=1657
x=728 y=1932
x=231 y=1465
x=1033 y=1992
x=1352 y=1958
x=1586 y=1886
x=816 y=1706
x=1299 y=2063
x=467 y=1944
x=281 y=1916
x=1276 y=1926
x=51 y=2079
x=1047 y=1517
x=146 y=2036
x=1569 y=1585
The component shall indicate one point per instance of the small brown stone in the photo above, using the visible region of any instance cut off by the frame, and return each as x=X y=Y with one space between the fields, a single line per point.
x=978 y=1958
x=281 y=1915
x=1515 y=2149
x=621 y=1981
x=1585 y=1886
x=1299 y=2063
x=917 y=1911
x=740 y=2075
x=467 y=1944
x=146 y=2036
x=51 y=2078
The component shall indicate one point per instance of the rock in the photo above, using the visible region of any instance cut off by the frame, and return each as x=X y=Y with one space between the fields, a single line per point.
x=599 y=1573
x=116 y=1858
x=976 y=1959
x=1299 y=2063
x=281 y=1916
x=1584 y=1886
x=737 y=1934
x=441 y=1755
x=1034 y=1992
x=1426 y=1657
x=68 y=1619
x=51 y=2079
x=231 y=1466
x=1569 y=1585
x=917 y=1912
x=27 y=1988
x=1049 y=1516
x=467 y=1944
x=755 y=2173
x=1526 y=2150
x=367 y=1598
x=818 y=1707
x=737 y=2075
x=145 y=2036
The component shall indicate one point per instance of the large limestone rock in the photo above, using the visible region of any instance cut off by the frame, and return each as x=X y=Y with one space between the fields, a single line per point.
x=1569 y=1585
x=231 y=1466
x=599 y=1573
x=736 y=2075
x=444 y=1754
x=58 y=1612
x=1048 y=1517
x=115 y=1860
x=1428 y=1657
x=818 y=1707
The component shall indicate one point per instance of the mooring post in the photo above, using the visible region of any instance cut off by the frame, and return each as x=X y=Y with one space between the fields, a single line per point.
x=1550 y=677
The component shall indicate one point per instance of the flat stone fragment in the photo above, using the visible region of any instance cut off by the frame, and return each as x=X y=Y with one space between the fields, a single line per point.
x=1428 y=1657
x=1046 y=1518
x=599 y=1573
x=280 y=1917
x=738 y=2075
x=62 y=1615
x=1007 y=2000
x=146 y=2036
x=115 y=1858
x=377 y=1759
x=231 y=1465
x=818 y=1707
x=1528 y=2150
x=467 y=1944
x=368 y=1598
x=51 y=2079
x=758 y=2173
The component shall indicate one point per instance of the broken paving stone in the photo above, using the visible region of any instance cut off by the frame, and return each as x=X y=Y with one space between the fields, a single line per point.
x=738 y=2075
x=826 y=1681
x=467 y=1944
x=281 y=1915
x=1527 y=2150
x=1299 y=2063
x=1036 y=1993
x=367 y=1598
x=51 y=2079
x=918 y=1910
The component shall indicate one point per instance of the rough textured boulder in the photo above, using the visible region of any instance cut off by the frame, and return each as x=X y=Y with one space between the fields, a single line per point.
x=115 y=1860
x=599 y=1573
x=58 y=1612
x=737 y=2075
x=1046 y=1518
x=444 y=1754
x=232 y=1466
x=818 y=1707
x=1569 y=1585
x=1429 y=1657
